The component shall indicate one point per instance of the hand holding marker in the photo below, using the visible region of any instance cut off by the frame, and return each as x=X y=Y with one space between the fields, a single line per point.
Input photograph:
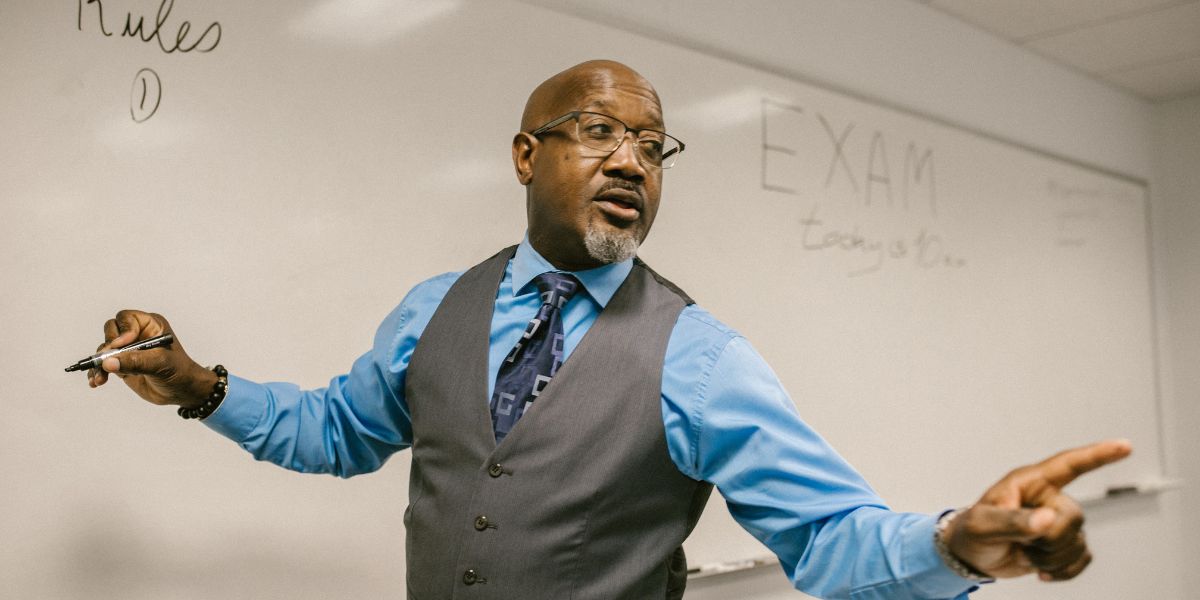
x=94 y=361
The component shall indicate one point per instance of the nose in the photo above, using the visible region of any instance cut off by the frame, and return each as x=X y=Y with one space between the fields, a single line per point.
x=623 y=162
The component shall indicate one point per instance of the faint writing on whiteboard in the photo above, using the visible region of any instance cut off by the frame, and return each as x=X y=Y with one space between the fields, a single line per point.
x=924 y=249
x=1073 y=225
x=864 y=170
x=1067 y=191
x=1078 y=214
x=145 y=95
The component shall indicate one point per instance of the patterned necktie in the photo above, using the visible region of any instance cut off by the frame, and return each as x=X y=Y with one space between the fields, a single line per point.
x=536 y=357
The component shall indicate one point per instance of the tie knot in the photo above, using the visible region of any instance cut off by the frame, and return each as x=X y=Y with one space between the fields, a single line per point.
x=556 y=288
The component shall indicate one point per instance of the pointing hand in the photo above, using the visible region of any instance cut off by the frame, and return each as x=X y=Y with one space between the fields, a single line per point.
x=1025 y=523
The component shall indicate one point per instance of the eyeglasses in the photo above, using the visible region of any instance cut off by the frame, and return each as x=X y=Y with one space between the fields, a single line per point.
x=601 y=132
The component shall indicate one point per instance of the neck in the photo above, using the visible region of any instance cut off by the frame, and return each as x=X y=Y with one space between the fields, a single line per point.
x=562 y=258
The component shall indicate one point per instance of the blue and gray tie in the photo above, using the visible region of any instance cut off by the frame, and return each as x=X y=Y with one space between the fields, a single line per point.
x=537 y=356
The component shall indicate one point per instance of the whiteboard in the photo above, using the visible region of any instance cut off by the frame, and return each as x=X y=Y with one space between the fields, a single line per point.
x=942 y=306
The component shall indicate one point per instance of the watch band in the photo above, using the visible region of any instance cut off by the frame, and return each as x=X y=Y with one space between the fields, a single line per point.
x=959 y=567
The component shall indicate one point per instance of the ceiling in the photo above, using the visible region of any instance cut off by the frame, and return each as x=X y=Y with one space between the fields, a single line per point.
x=1148 y=47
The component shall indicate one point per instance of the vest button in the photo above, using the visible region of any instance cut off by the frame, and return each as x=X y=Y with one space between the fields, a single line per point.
x=470 y=577
x=495 y=470
x=481 y=523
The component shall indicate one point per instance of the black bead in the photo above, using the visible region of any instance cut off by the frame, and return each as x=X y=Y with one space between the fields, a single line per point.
x=214 y=399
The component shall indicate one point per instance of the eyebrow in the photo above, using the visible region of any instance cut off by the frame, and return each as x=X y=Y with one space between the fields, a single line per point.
x=656 y=120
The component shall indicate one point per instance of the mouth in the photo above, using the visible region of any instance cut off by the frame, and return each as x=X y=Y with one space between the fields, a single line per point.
x=620 y=203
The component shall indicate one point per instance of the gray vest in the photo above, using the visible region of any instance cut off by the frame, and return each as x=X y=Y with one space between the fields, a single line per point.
x=581 y=500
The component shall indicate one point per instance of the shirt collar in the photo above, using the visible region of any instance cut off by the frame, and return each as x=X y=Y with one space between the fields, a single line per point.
x=601 y=283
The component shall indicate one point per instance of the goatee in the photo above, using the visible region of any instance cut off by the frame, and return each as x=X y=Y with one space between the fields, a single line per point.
x=609 y=245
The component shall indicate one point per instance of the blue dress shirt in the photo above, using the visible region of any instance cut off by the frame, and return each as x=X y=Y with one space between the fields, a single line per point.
x=727 y=418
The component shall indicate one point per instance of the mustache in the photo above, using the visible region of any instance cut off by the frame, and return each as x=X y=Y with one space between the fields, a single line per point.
x=622 y=184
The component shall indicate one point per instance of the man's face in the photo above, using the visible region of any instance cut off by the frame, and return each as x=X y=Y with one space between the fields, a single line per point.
x=580 y=199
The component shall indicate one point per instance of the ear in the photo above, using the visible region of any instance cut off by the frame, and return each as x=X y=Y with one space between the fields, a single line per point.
x=524 y=149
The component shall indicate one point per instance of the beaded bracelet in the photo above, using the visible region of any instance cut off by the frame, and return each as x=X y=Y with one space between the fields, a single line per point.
x=214 y=399
x=959 y=567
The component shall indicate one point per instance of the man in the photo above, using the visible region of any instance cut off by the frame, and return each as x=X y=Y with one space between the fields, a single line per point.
x=535 y=476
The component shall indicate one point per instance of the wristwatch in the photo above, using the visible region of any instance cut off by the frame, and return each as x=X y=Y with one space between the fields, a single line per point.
x=959 y=567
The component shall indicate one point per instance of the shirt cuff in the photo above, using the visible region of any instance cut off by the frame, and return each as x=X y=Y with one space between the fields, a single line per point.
x=927 y=573
x=241 y=409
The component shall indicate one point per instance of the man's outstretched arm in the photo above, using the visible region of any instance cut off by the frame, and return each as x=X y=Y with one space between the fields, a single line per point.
x=347 y=428
x=738 y=429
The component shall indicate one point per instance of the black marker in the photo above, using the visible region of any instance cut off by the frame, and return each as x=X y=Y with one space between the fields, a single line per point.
x=93 y=362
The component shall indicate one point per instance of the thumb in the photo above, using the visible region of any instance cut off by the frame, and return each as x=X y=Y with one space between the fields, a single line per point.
x=143 y=362
x=994 y=524
x=1036 y=522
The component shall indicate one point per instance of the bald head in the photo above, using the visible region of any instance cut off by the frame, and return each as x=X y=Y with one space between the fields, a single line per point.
x=567 y=90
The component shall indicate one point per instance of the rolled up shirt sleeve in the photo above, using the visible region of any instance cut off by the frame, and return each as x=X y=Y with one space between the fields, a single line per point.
x=730 y=422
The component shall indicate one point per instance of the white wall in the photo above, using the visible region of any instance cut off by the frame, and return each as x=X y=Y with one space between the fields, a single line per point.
x=909 y=56
x=1176 y=180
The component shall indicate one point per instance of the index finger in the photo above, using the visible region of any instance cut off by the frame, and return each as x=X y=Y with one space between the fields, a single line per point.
x=130 y=325
x=1064 y=467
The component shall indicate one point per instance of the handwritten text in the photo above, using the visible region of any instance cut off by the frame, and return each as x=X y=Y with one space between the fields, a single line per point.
x=925 y=249
x=207 y=41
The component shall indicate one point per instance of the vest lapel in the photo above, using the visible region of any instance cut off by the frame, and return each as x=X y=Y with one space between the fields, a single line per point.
x=480 y=287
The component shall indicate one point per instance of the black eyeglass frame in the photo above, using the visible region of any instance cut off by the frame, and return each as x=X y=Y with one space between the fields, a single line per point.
x=575 y=115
